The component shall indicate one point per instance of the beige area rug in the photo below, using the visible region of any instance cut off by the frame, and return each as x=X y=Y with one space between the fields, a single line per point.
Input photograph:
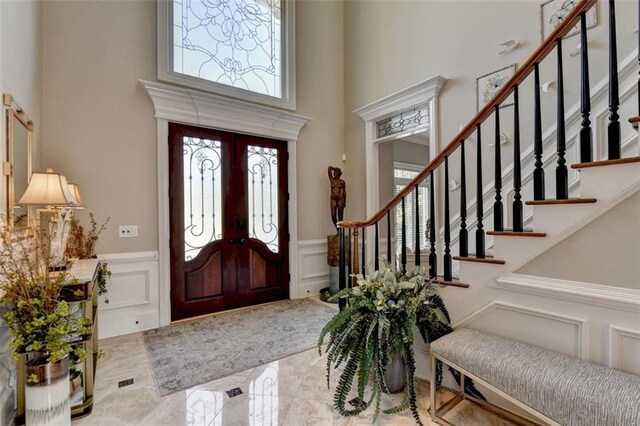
x=190 y=353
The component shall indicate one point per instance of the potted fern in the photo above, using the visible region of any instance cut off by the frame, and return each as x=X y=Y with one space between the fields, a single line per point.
x=374 y=334
x=376 y=330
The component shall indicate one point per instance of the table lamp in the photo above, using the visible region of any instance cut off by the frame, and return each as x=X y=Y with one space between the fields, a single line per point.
x=52 y=191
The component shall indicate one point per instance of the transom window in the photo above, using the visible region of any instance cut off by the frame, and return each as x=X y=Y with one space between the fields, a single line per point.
x=407 y=119
x=237 y=48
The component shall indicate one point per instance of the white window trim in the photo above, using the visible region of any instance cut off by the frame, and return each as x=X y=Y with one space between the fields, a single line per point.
x=179 y=105
x=166 y=73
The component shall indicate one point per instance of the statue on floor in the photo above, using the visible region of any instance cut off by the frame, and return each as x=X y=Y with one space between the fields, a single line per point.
x=338 y=203
x=338 y=195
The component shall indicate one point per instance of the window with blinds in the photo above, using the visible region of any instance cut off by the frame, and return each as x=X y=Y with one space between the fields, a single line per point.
x=402 y=176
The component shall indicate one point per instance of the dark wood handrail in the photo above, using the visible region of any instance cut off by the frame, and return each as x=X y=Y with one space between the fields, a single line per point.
x=523 y=72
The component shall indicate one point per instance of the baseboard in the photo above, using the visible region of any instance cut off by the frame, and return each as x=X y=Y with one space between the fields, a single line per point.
x=132 y=294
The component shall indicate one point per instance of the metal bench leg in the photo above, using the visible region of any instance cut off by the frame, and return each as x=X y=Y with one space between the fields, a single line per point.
x=434 y=416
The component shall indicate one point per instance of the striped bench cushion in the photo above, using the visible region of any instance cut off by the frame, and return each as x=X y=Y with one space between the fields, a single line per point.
x=566 y=389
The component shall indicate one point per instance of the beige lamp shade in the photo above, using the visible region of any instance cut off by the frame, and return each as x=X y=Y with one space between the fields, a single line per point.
x=47 y=189
x=73 y=188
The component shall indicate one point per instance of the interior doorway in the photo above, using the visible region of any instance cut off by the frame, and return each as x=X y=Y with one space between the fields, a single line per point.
x=399 y=162
x=228 y=220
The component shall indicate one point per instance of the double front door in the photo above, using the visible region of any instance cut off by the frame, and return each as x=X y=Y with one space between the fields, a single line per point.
x=229 y=227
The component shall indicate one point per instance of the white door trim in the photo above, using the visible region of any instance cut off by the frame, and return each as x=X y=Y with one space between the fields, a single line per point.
x=188 y=106
x=425 y=91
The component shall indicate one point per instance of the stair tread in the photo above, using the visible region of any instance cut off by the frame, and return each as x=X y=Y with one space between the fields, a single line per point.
x=454 y=282
x=628 y=160
x=510 y=233
x=567 y=201
x=635 y=121
x=486 y=259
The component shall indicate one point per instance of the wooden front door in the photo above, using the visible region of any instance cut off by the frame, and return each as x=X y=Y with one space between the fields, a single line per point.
x=229 y=225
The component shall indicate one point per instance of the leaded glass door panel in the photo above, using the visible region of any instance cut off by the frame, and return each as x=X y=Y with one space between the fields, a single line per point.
x=228 y=214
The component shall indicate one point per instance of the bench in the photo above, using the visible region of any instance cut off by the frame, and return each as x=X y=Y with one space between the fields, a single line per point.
x=555 y=389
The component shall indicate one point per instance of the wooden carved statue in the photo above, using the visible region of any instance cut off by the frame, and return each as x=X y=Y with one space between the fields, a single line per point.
x=338 y=195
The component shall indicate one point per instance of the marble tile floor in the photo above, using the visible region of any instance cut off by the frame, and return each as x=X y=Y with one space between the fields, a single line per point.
x=291 y=391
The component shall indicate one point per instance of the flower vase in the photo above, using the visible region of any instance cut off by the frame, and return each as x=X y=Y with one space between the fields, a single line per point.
x=394 y=374
x=47 y=391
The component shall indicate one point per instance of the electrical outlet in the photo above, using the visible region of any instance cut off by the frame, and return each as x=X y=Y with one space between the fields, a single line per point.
x=128 y=231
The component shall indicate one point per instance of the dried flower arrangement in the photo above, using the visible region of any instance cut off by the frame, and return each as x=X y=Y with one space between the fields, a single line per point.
x=81 y=245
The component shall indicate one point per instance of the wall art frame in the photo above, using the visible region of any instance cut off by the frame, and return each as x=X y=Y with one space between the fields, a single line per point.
x=489 y=84
x=552 y=12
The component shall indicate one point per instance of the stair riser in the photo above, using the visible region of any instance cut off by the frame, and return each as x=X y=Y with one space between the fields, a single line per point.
x=604 y=182
x=479 y=273
x=554 y=218
x=516 y=249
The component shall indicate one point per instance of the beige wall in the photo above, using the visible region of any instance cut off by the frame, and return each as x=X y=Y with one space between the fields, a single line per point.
x=320 y=86
x=21 y=64
x=99 y=123
x=21 y=76
x=607 y=251
x=390 y=45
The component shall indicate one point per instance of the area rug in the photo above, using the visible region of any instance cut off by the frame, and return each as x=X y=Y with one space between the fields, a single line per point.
x=190 y=353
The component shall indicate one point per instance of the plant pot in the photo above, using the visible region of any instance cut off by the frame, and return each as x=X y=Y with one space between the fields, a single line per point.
x=394 y=375
x=47 y=397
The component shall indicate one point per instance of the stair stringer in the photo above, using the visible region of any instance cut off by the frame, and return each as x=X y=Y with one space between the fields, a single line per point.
x=610 y=185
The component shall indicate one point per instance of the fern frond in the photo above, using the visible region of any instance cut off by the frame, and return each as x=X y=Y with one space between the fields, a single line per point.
x=439 y=303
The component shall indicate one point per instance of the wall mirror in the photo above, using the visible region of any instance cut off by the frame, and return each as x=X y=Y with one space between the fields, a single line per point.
x=18 y=166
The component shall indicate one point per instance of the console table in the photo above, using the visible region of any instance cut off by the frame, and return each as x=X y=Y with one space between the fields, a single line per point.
x=86 y=277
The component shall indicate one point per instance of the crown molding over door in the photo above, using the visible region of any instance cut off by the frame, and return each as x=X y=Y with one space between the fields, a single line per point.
x=181 y=105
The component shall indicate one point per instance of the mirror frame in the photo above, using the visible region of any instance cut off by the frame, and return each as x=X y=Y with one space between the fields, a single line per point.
x=15 y=112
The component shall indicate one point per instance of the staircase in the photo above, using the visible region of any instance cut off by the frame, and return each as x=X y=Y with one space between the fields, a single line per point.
x=603 y=184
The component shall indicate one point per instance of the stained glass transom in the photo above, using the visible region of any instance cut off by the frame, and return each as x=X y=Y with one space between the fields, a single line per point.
x=238 y=43
x=262 y=178
x=203 y=194
x=404 y=120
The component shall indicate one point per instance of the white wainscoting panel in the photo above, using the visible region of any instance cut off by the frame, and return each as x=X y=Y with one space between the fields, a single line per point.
x=132 y=294
x=548 y=330
x=313 y=271
x=624 y=349
x=594 y=322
